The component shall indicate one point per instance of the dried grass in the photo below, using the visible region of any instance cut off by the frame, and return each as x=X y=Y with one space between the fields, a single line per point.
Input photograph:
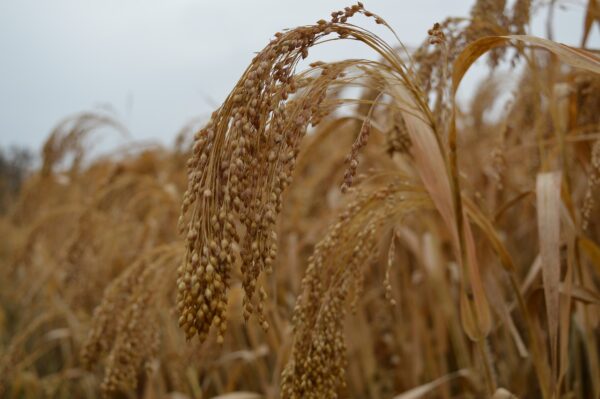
x=413 y=248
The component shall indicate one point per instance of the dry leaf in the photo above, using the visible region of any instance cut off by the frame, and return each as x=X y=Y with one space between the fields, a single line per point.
x=548 y=210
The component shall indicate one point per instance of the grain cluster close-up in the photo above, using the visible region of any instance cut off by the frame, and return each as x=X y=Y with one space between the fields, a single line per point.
x=344 y=229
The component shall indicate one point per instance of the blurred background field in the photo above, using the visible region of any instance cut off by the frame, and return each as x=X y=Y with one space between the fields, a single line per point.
x=341 y=229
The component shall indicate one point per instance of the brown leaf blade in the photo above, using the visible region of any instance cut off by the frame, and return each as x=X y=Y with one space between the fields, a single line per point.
x=548 y=215
x=422 y=390
x=575 y=57
x=591 y=15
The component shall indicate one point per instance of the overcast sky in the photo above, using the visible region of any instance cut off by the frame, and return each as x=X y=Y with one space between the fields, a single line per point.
x=159 y=64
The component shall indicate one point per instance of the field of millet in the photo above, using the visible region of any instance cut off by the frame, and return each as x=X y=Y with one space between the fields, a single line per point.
x=409 y=247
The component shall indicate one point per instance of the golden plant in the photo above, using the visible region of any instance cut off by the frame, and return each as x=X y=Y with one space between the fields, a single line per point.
x=413 y=247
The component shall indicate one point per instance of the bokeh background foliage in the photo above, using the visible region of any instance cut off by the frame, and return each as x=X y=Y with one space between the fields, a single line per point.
x=341 y=229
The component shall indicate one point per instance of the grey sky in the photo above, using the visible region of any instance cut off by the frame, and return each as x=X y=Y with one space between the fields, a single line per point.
x=161 y=63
